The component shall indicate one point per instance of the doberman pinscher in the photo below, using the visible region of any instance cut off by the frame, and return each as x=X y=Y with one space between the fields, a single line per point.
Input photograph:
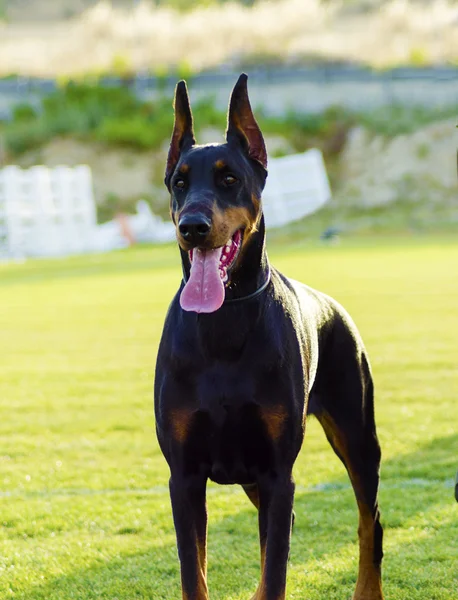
x=245 y=355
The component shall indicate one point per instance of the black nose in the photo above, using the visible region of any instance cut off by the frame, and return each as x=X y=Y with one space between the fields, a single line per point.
x=194 y=228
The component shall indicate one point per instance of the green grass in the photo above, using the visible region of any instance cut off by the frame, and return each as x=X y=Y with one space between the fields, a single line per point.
x=84 y=508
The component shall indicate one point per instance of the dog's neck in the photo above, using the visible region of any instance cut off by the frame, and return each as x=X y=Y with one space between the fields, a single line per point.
x=254 y=269
x=253 y=273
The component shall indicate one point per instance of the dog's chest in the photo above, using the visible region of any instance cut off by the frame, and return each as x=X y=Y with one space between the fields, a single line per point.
x=221 y=389
x=241 y=418
x=231 y=400
x=236 y=438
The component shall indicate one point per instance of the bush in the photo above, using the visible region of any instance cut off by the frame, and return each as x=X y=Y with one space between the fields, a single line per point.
x=22 y=136
x=134 y=132
x=113 y=115
x=24 y=112
x=87 y=111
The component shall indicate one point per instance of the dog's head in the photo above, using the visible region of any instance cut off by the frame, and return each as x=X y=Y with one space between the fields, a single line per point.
x=215 y=194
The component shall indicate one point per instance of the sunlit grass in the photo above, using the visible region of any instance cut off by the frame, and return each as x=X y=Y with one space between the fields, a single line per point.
x=84 y=508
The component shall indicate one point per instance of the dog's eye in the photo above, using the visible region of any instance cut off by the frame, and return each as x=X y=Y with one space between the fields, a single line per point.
x=179 y=183
x=229 y=180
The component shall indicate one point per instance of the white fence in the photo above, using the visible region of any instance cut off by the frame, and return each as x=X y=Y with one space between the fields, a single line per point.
x=46 y=212
x=297 y=186
x=51 y=212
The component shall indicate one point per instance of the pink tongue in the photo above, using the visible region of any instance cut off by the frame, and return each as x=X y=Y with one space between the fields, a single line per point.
x=204 y=291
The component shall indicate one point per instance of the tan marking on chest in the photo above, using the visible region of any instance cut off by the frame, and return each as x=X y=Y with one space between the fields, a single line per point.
x=180 y=422
x=274 y=418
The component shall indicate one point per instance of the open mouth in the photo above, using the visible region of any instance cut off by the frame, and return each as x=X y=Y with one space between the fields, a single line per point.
x=204 y=291
x=228 y=254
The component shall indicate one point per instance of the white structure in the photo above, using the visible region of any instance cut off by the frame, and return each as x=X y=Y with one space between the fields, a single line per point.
x=143 y=227
x=148 y=227
x=46 y=212
x=51 y=212
x=297 y=186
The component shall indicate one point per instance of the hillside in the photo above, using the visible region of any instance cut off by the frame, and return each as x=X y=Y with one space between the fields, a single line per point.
x=378 y=182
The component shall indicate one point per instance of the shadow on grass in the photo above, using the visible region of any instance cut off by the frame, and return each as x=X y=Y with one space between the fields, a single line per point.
x=325 y=529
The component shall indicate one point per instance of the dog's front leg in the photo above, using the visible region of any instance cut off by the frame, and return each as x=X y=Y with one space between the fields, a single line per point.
x=190 y=518
x=276 y=497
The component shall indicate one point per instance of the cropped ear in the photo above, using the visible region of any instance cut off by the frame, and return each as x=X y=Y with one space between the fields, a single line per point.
x=241 y=124
x=183 y=131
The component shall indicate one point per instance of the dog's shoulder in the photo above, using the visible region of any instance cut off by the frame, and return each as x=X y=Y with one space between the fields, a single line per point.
x=316 y=308
x=310 y=303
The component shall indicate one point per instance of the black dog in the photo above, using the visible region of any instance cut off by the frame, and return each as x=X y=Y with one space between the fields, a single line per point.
x=245 y=354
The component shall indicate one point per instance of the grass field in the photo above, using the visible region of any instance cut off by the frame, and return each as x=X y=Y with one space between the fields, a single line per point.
x=84 y=508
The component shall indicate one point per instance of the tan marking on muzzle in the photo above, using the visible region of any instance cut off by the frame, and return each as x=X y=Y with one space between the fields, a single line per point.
x=226 y=222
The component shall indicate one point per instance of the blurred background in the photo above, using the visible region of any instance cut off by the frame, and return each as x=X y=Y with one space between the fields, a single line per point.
x=372 y=84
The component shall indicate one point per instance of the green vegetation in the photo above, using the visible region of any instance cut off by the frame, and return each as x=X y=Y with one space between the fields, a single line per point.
x=113 y=115
x=116 y=117
x=88 y=111
x=84 y=508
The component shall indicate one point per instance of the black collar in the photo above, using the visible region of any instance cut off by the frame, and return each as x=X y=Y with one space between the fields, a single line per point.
x=254 y=294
